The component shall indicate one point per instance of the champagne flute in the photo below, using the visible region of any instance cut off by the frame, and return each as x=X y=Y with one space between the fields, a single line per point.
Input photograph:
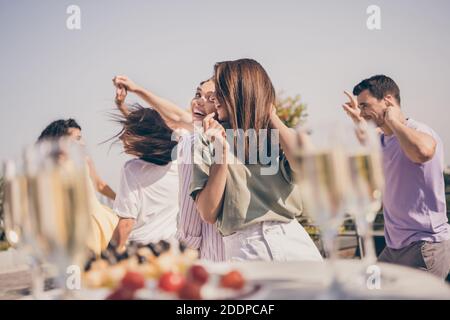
x=363 y=151
x=323 y=179
x=59 y=206
x=17 y=221
x=14 y=204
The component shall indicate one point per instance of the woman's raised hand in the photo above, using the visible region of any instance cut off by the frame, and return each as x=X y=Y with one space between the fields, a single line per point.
x=212 y=128
x=121 y=94
x=124 y=81
x=215 y=133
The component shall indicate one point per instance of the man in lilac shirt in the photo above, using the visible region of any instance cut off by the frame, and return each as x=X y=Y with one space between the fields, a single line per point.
x=416 y=225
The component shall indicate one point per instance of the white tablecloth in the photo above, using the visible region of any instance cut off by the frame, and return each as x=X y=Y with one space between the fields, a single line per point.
x=307 y=280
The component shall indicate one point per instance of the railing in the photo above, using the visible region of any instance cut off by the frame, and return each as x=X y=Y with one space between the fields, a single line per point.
x=347 y=249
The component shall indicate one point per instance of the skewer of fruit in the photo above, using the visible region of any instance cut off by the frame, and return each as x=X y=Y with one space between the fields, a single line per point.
x=173 y=268
x=150 y=260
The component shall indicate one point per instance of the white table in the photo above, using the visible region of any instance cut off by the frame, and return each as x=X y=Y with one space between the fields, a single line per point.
x=306 y=280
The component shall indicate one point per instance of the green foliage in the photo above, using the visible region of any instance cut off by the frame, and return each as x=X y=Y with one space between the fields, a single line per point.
x=291 y=110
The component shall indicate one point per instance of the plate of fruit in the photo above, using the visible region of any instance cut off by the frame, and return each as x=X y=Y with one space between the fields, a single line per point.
x=162 y=271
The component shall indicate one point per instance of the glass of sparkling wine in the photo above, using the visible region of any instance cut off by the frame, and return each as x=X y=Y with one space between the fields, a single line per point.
x=364 y=158
x=323 y=177
x=14 y=203
x=59 y=207
x=17 y=221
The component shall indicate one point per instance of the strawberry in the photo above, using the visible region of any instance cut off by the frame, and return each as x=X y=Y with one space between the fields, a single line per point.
x=190 y=291
x=171 y=282
x=198 y=274
x=232 y=280
x=133 y=281
x=121 y=294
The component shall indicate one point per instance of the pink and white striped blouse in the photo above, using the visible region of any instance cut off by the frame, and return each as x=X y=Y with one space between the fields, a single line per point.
x=192 y=230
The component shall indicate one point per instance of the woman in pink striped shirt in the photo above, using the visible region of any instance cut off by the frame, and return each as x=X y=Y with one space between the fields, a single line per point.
x=192 y=230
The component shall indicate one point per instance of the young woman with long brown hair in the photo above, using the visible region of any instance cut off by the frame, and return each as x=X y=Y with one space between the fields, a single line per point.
x=253 y=208
x=191 y=229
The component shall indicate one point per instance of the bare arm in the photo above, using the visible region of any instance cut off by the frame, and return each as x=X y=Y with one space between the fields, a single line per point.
x=122 y=232
x=106 y=190
x=287 y=136
x=419 y=147
x=290 y=140
x=209 y=200
x=169 y=111
x=121 y=94
x=100 y=185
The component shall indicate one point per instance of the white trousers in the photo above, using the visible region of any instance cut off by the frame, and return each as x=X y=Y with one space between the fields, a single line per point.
x=271 y=241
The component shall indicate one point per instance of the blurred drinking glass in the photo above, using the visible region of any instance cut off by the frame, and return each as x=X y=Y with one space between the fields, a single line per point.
x=323 y=176
x=15 y=203
x=17 y=222
x=59 y=207
x=364 y=156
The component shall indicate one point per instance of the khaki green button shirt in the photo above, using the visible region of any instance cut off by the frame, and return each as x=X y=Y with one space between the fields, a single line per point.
x=250 y=196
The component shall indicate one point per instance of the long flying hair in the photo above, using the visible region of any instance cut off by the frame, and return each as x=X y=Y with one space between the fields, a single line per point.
x=145 y=135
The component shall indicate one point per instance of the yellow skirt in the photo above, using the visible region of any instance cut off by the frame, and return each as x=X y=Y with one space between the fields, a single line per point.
x=103 y=223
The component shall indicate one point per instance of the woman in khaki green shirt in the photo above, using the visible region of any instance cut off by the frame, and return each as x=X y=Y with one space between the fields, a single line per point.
x=241 y=180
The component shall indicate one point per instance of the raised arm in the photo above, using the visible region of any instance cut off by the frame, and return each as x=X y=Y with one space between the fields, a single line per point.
x=287 y=136
x=121 y=94
x=170 y=112
x=209 y=200
x=419 y=147
x=290 y=139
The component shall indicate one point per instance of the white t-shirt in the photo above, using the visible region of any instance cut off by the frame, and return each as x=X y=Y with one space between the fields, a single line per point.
x=148 y=193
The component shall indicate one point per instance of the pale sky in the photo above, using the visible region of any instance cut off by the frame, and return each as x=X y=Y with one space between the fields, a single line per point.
x=313 y=48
